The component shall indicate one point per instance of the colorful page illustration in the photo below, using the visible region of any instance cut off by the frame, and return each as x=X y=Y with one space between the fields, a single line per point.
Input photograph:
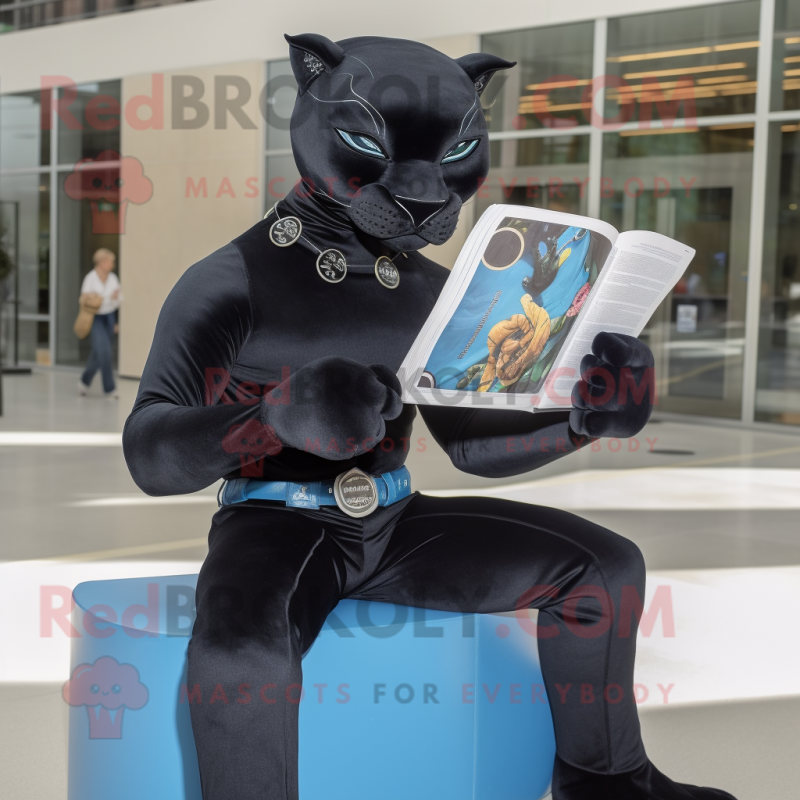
x=524 y=297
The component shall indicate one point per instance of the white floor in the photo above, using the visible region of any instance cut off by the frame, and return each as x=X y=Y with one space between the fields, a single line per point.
x=714 y=510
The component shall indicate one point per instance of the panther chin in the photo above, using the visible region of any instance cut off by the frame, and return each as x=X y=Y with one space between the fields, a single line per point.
x=407 y=244
x=400 y=224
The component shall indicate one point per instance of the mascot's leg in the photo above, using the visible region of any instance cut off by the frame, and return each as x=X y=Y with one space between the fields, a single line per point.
x=264 y=591
x=485 y=555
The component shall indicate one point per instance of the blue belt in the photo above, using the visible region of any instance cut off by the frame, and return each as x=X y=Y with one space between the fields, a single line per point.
x=390 y=487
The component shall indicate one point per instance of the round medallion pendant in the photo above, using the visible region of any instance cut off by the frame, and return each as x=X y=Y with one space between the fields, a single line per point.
x=355 y=493
x=286 y=231
x=387 y=273
x=332 y=266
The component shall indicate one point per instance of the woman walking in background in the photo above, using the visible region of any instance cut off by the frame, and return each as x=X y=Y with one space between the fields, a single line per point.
x=103 y=282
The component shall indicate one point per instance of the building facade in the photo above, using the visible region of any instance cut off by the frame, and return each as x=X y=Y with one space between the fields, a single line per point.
x=684 y=120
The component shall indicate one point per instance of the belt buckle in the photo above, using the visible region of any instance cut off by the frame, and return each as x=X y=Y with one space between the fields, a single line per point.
x=356 y=493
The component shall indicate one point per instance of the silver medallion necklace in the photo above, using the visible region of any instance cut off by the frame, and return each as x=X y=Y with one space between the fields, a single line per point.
x=387 y=273
x=284 y=232
x=331 y=263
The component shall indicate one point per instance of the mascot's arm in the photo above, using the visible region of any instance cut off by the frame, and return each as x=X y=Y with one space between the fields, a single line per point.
x=614 y=397
x=173 y=439
x=498 y=444
x=185 y=432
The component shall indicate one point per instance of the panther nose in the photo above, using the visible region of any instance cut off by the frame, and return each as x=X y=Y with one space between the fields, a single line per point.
x=419 y=210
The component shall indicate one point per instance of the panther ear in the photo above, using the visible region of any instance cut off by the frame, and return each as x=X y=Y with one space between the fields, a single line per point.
x=311 y=55
x=481 y=66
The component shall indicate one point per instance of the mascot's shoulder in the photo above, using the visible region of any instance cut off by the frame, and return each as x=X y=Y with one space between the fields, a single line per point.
x=254 y=243
x=224 y=266
x=217 y=282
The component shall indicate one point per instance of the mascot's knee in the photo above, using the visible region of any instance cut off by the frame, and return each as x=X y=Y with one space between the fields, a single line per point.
x=624 y=563
x=631 y=556
x=611 y=576
x=250 y=674
x=612 y=561
x=224 y=658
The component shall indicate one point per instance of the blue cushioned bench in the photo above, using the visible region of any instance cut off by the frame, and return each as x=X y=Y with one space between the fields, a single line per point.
x=398 y=702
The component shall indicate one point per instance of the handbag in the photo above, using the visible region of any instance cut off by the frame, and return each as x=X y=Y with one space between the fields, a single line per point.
x=89 y=306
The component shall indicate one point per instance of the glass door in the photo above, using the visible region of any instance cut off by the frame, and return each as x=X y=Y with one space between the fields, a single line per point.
x=25 y=231
x=693 y=185
x=9 y=318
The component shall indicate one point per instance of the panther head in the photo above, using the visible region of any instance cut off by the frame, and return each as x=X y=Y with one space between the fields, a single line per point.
x=391 y=132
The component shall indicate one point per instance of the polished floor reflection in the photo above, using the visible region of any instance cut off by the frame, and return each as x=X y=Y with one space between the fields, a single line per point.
x=714 y=510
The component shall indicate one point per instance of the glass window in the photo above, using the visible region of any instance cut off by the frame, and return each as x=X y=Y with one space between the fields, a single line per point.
x=778 y=379
x=546 y=88
x=280 y=94
x=692 y=185
x=548 y=172
x=24 y=141
x=89 y=121
x=786 y=56
x=36 y=13
x=691 y=62
x=25 y=289
x=87 y=220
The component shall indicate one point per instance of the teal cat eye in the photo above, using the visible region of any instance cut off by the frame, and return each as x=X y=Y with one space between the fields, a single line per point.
x=362 y=144
x=461 y=150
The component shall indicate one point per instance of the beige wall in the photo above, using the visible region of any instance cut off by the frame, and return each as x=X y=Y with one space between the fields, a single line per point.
x=171 y=231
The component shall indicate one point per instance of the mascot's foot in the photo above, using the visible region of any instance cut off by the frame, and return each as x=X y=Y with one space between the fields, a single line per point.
x=644 y=783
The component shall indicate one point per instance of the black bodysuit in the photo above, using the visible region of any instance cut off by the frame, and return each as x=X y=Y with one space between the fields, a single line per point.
x=261 y=368
x=252 y=313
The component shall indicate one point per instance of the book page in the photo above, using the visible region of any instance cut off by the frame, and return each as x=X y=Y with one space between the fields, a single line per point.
x=642 y=269
x=507 y=308
x=412 y=368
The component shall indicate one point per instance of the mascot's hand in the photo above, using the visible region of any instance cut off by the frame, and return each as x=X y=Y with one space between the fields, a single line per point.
x=339 y=402
x=615 y=394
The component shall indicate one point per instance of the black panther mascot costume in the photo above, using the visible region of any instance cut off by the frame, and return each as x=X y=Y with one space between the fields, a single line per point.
x=274 y=359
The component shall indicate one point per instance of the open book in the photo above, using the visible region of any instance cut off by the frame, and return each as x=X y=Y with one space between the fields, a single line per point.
x=529 y=291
